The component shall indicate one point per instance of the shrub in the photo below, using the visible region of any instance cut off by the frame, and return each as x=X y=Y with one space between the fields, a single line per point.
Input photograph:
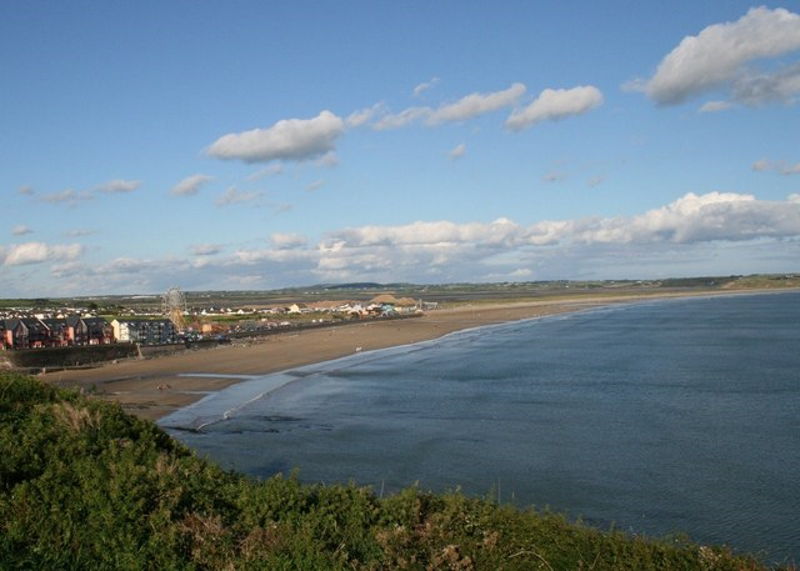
x=84 y=485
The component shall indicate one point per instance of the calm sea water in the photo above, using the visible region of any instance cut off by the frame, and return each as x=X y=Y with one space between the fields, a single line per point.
x=658 y=417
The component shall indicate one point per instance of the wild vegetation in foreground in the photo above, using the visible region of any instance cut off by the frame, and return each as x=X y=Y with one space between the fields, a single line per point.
x=83 y=485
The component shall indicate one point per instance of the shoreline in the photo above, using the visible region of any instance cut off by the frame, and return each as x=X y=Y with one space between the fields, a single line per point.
x=154 y=388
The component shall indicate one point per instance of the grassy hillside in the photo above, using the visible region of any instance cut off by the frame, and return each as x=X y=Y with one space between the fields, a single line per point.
x=85 y=486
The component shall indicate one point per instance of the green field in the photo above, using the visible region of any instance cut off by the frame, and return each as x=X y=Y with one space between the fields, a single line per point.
x=117 y=305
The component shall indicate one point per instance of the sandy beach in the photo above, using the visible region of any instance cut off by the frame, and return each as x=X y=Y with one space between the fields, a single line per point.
x=152 y=388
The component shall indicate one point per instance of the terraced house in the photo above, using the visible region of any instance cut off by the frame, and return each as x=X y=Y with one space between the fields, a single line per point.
x=28 y=333
x=40 y=333
x=88 y=331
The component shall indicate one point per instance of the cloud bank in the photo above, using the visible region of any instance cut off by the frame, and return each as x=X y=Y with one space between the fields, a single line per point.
x=692 y=218
x=39 y=252
x=288 y=241
x=690 y=232
x=448 y=250
x=206 y=249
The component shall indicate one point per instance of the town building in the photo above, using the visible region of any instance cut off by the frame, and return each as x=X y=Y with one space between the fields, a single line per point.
x=88 y=331
x=57 y=334
x=26 y=333
x=145 y=331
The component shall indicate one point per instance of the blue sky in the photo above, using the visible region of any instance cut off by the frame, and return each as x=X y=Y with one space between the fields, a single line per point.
x=251 y=145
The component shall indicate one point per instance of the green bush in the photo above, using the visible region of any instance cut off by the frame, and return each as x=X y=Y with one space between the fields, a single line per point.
x=85 y=486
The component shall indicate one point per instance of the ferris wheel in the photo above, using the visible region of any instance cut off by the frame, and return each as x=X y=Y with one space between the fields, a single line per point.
x=174 y=306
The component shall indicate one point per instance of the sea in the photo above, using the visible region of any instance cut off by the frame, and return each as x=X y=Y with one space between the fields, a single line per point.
x=661 y=418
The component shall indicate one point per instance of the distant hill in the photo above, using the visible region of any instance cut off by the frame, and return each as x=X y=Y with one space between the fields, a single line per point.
x=354 y=285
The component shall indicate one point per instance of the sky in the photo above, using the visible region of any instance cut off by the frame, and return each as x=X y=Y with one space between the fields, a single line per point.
x=256 y=145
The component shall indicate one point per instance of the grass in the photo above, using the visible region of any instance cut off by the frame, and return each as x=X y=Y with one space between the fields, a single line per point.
x=85 y=486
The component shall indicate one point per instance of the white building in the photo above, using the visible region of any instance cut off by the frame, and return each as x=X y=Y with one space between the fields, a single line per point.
x=144 y=331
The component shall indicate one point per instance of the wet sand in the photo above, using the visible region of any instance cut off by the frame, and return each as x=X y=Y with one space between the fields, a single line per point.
x=153 y=388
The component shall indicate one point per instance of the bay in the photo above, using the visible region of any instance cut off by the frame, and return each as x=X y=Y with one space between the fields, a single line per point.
x=657 y=417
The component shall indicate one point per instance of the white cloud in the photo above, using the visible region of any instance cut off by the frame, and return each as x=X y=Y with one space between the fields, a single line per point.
x=234 y=196
x=695 y=218
x=457 y=152
x=280 y=207
x=715 y=106
x=780 y=167
x=692 y=234
x=718 y=55
x=596 y=180
x=21 y=230
x=26 y=190
x=413 y=250
x=501 y=231
x=68 y=269
x=762 y=165
x=521 y=273
x=288 y=139
x=328 y=160
x=68 y=196
x=245 y=282
x=38 y=252
x=206 y=249
x=190 y=185
x=288 y=241
x=468 y=107
x=441 y=250
x=119 y=186
x=422 y=87
x=127 y=274
x=554 y=176
x=131 y=274
x=477 y=104
x=122 y=267
x=315 y=185
x=362 y=116
x=79 y=232
x=556 y=104
x=273 y=169
x=401 y=119
x=284 y=257
x=753 y=88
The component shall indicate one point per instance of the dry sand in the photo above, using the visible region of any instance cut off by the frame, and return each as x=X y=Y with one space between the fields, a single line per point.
x=152 y=388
